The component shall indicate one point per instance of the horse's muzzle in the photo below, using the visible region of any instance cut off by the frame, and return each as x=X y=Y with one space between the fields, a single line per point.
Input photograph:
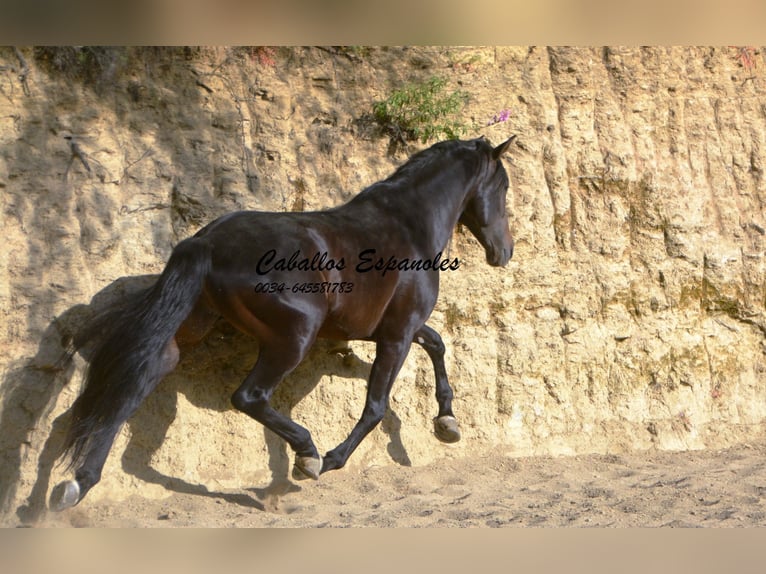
x=500 y=257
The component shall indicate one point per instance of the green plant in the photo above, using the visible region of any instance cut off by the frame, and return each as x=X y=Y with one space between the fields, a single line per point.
x=421 y=112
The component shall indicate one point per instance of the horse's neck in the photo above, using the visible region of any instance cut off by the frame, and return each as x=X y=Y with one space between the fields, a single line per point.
x=443 y=200
x=428 y=209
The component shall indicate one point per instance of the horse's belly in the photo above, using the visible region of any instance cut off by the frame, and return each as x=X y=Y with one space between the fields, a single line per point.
x=356 y=317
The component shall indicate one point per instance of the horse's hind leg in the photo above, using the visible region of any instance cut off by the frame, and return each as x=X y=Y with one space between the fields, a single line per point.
x=276 y=361
x=445 y=423
x=68 y=493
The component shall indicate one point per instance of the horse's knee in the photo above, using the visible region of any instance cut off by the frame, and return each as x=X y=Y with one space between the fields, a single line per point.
x=251 y=402
x=432 y=342
x=242 y=400
x=438 y=346
x=375 y=412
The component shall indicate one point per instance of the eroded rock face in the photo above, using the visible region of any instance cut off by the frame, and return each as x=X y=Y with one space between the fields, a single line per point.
x=631 y=317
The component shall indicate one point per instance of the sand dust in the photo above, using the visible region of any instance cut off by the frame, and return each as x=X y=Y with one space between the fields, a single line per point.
x=725 y=488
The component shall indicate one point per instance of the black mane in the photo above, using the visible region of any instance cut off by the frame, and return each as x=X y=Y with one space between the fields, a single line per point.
x=422 y=161
x=421 y=164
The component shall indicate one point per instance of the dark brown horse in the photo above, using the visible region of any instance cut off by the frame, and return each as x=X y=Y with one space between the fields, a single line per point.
x=366 y=270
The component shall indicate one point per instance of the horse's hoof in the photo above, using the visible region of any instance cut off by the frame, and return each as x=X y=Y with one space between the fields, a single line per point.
x=446 y=429
x=307 y=467
x=65 y=495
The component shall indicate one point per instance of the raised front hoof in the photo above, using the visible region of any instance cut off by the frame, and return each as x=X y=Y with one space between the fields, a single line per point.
x=446 y=429
x=64 y=495
x=307 y=467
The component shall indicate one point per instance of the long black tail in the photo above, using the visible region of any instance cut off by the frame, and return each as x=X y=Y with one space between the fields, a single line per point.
x=127 y=362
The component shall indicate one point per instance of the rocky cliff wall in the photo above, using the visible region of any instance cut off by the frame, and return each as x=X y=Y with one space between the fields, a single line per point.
x=631 y=316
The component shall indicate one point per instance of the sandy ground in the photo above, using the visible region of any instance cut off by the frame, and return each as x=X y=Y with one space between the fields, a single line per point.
x=725 y=488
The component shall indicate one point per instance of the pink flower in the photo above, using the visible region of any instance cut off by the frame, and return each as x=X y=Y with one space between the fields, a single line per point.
x=499 y=118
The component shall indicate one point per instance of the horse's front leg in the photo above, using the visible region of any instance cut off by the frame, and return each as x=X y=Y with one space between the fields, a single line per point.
x=388 y=361
x=445 y=423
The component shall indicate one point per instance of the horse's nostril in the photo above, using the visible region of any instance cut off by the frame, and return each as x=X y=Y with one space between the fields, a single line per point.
x=506 y=255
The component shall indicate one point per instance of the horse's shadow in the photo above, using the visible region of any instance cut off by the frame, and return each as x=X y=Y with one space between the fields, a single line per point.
x=32 y=389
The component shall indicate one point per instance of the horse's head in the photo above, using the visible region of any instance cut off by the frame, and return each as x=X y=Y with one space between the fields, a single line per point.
x=484 y=213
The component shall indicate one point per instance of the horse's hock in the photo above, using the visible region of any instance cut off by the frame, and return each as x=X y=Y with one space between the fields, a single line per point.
x=631 y=316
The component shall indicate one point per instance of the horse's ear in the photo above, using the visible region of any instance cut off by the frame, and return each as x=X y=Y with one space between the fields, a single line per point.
x=502 y=148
